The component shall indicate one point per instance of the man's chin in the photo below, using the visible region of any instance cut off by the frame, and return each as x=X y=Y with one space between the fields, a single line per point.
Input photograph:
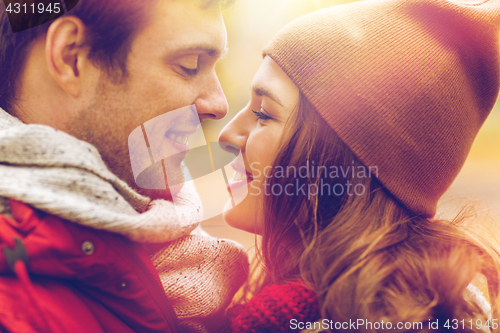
x=156 y=194
x=167 y=194
x=150 y=182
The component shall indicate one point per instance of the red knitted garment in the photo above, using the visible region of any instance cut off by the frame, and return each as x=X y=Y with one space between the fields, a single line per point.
x=273 y=308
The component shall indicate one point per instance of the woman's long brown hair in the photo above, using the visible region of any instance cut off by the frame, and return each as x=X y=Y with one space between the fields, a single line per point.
x=365 y=254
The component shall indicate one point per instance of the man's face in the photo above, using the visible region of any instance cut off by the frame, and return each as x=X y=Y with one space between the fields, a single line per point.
x=171 y=65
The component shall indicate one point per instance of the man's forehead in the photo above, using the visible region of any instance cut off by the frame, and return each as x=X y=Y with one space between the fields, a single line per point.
x=209 y=7
x=204 y=4
x=183 y=27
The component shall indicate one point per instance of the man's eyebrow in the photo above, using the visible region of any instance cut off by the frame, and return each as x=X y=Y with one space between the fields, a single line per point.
x=261 y=91
x=211 y=51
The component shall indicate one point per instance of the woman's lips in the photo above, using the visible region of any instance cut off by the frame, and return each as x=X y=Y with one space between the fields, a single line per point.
x=239 y=179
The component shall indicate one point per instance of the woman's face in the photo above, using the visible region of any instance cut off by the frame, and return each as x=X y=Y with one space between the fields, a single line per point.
x=257 y=130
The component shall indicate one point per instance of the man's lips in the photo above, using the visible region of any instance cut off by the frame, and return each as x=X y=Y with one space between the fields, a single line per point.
x=180 y=136
x=177 y=137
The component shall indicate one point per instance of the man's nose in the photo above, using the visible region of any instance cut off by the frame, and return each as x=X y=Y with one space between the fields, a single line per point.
x=212 y=103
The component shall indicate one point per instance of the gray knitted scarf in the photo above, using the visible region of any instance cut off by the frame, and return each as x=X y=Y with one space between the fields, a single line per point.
x=59 y=174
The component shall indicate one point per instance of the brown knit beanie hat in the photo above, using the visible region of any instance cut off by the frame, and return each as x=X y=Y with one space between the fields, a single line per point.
x=406 y=84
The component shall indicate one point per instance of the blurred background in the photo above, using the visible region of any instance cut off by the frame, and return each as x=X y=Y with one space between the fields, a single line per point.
x=250 y=25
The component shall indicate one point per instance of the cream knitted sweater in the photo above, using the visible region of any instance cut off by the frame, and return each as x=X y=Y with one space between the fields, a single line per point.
x=56 y=173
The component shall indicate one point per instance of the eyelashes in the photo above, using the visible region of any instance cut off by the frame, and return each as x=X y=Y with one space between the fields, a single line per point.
x=261 y=115
x=189 y=64
x=189 y=71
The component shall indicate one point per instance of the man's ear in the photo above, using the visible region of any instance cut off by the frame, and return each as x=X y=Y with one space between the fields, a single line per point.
x=64 y=53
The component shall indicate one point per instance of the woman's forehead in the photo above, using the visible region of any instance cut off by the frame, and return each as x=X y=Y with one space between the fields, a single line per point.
x=271 y=81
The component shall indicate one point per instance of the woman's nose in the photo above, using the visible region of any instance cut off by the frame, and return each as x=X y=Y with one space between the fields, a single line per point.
x=235 y=133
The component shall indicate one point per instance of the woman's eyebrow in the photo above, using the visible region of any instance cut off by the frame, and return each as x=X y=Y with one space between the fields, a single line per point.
x=261 y=91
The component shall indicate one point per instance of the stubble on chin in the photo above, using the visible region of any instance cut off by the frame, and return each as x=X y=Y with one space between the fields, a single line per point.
x=105 y=125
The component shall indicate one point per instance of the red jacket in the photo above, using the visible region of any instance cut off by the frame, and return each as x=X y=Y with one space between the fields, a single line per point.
x=78 y=279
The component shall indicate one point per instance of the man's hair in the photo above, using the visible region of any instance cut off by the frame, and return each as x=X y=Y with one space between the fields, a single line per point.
x=111 y=28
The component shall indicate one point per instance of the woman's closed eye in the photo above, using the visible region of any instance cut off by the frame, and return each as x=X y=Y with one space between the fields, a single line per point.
x=261 y=115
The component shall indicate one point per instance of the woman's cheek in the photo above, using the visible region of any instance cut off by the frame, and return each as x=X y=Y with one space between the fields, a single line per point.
x=262 y=150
